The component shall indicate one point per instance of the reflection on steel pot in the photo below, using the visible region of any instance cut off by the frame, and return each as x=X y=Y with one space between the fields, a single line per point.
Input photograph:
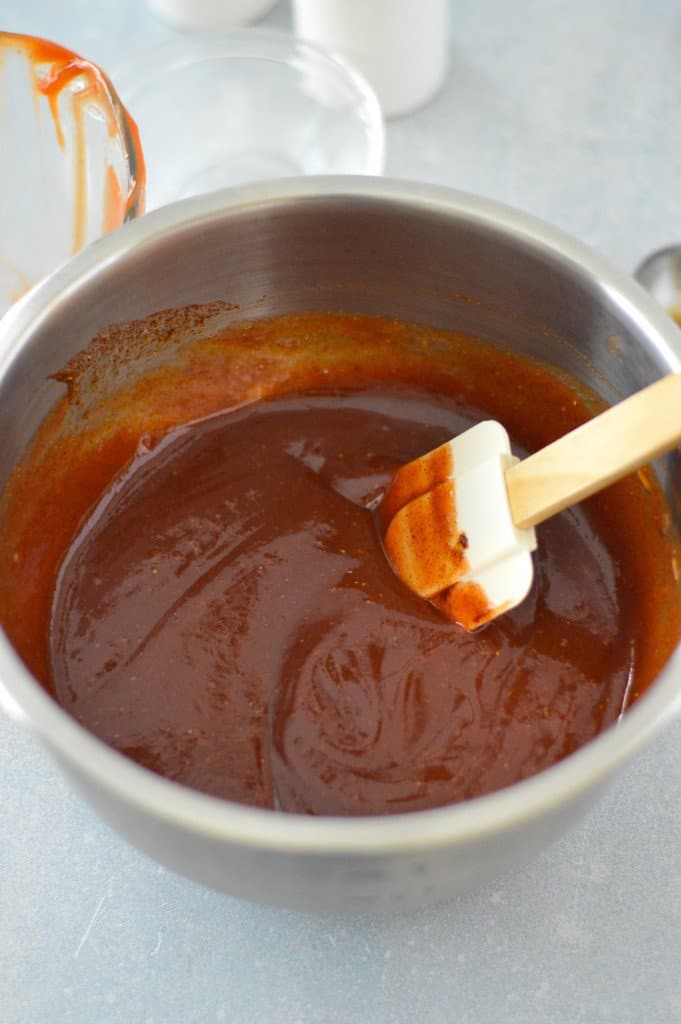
x=362 y=245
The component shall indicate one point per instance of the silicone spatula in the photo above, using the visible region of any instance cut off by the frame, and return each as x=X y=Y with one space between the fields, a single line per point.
x=459 y=521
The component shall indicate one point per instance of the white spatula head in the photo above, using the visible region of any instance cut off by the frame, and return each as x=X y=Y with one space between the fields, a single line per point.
x=448 y=530
x=459 y=521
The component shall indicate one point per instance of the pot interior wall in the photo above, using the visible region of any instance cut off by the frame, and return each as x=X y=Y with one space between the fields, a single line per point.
x=349 y=254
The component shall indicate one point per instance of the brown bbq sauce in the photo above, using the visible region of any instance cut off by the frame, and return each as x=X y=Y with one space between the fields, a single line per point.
x=224 y=613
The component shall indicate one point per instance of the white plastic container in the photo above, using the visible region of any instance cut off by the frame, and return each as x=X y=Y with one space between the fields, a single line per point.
x=202 y=14
x=401 y=46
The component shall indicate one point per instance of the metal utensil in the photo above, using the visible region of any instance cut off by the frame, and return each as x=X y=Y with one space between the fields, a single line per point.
x=660 y=273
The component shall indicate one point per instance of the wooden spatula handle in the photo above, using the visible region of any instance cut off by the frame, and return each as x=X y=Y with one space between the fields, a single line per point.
x=620 y=440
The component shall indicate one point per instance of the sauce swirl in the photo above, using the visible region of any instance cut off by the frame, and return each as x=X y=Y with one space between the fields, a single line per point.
x=224 y=613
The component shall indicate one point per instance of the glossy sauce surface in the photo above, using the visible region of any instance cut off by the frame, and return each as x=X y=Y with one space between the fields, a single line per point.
x=225 y=614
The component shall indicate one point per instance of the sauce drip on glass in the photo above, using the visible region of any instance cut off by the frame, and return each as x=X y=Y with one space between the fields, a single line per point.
x=64 y=78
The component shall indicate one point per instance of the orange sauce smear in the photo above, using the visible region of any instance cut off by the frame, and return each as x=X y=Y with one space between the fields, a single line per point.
x=54 y=68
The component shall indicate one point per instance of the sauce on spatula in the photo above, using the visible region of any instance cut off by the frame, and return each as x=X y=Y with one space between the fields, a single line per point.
x=459 y=521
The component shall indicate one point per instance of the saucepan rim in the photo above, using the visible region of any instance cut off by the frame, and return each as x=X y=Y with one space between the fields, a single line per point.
x=264 y=829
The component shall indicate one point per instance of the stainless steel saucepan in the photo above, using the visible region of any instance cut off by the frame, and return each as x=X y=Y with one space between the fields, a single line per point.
x=408 y=251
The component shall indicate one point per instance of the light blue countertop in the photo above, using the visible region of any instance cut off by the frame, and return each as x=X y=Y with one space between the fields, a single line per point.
x=571 y=111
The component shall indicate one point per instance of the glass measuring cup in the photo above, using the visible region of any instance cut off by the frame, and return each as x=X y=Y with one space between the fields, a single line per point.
x=72 y=166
